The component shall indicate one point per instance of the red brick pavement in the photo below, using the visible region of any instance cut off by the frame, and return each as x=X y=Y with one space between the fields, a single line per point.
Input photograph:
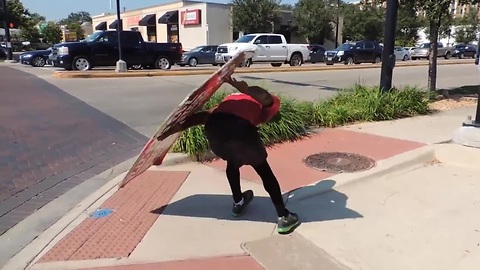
x=286 y=159
x=215 y=263
x=119 y=233
x=50 y=142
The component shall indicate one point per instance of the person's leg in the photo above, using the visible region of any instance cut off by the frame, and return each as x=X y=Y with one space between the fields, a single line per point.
x=287 y=221
x=240 y=200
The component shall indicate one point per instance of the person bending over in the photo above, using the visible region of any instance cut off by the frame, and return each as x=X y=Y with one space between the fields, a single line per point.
x=231 y=129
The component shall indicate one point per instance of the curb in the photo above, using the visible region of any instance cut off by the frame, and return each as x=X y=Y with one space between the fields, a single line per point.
x=33 y=251
x=163 y=73
x=397 y=163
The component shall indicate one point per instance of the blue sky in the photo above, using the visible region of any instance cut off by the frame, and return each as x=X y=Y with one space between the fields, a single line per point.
x=58 y=9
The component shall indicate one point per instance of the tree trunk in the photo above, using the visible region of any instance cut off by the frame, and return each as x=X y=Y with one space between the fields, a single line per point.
x=432 y=61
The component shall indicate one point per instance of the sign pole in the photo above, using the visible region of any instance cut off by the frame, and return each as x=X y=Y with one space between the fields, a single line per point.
x=388 y=56
x=121 y=65
x=6 y=26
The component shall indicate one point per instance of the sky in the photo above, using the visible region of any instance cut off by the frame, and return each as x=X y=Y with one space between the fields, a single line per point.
x=58 y=9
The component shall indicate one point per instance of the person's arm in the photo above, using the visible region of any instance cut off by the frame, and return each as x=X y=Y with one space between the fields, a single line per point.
x=259 y=94
x=196 y=119
x=269 y=112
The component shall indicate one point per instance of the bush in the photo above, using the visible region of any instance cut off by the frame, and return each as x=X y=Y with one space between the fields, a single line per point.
x=356 y=104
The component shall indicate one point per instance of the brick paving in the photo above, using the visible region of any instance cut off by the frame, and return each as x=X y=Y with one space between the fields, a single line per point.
x=328 y=140
x=50 y=142
x=117 y=235
x=215 y=263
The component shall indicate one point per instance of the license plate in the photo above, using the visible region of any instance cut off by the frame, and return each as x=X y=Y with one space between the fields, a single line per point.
x=329 y=58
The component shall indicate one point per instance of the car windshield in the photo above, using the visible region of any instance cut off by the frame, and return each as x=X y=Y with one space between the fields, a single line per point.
x=398 y=49
x=92 y=37
x=424 y=46
x=459 y=46
x=345 y=46
x=196 y=49
x=245 y=39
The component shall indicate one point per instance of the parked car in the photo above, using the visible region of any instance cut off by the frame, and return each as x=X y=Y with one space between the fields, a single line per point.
x=37 y=58
x=423 y=51
x=464 y=50
x=101 y=49
x=199 y=55
x=317 y=54
x=356 y=52
x=267 y=48
x=3 y=54
x=401 y=54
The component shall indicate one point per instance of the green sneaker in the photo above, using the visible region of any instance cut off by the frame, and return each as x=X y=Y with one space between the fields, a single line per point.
x=238 y=209
x=288 y=223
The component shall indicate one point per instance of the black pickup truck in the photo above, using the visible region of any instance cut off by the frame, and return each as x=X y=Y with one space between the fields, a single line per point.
x=101 y=49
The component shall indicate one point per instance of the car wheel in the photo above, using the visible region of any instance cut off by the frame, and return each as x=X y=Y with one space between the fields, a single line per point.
x=193 y=62
x=214 y=65
x=296 y=60
x=349 y=61
x=461 y=56
x=414 y=58
x=474 y=56
x=377 y=60
x=81 y=63
x=405 y=58
x=329 y=64
x=182 y=65
x=38 y=61
x=447 y=55
x=163 y=63
x=276 y=64
x=246 y=63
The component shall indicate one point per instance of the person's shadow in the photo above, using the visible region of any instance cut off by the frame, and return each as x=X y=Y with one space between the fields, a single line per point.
x=312 y=203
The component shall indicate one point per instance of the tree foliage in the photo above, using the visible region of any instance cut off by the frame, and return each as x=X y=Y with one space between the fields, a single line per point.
x=74 y=22
x=467 y=27
x=364 y=23
x=408 y=25
x=314 y=19
x=252 y=16
x=52 y=33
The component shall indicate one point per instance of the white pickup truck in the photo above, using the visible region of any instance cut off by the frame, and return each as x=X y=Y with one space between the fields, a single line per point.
x=267 y=48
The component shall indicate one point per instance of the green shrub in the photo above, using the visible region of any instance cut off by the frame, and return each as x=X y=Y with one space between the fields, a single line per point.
x=356 y=104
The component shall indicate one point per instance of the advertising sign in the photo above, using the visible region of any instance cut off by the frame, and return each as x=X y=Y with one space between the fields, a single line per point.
x=155 y=151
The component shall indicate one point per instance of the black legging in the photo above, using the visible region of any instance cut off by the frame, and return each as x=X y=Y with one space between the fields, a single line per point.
x=270 y=183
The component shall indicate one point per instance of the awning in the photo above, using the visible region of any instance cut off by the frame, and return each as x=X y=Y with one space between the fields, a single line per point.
x=147 y=20
x=101 y=26
x=169 y=17
x=114 y=25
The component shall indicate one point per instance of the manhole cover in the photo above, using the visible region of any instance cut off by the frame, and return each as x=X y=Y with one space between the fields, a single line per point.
x=101 y=213
x=339 y=162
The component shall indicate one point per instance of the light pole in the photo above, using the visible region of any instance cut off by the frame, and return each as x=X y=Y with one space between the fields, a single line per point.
x=336 y=25
x=6 y=26
x=121 y=65
x=388 y=56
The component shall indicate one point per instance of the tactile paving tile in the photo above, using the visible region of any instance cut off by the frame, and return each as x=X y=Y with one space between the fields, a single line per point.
x=117 y=234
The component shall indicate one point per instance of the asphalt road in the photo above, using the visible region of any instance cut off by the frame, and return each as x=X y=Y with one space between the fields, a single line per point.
x=143 y=103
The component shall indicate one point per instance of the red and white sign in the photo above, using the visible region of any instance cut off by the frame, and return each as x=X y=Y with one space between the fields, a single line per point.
x=190 y=17
x=133 y=20
x=155 y=151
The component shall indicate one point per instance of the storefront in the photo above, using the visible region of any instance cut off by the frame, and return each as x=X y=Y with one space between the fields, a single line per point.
x=191 y=23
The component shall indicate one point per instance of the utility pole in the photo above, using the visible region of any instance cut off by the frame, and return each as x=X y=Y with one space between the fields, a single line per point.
x=388 y=56
x=6 y=26
x=121 y=65
x=336 y=24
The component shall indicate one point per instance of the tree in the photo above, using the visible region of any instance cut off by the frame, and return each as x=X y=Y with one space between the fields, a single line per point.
x=437 y=13
x=366 y=22
x=467 y=27
x=252 y=16
x=408 y=25
x=74 y=22
x=314 y=20
x=52 y=33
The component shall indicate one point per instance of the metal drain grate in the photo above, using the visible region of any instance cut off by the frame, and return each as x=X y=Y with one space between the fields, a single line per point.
x=339 y=162
x=101 y=213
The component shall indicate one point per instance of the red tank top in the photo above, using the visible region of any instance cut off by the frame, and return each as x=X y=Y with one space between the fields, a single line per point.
x=246 y=107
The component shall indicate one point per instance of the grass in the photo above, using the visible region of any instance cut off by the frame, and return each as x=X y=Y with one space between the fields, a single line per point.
x=356 y=104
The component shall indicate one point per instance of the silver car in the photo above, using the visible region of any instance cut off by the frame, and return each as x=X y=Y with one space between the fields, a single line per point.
x=401 y=54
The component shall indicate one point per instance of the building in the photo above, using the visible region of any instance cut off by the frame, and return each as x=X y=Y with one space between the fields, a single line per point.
x=190 y=22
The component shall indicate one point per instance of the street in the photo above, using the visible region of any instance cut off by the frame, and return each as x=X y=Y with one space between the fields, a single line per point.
x=142 y=103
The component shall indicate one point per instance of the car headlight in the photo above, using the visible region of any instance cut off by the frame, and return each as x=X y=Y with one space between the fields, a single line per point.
x=27 y=55
x=63 y=51
x=340 y=53
x=325 y=53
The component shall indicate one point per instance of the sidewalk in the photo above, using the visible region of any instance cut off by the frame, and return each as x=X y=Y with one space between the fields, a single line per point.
x=177 y=216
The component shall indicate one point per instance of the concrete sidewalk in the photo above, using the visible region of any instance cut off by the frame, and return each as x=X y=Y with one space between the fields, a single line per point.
x=401 y=214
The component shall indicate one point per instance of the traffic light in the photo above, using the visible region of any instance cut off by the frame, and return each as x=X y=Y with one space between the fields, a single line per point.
x=11 y=25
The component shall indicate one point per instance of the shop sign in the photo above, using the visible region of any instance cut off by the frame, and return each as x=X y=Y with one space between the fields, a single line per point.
x=133 y=20
x=190 y=17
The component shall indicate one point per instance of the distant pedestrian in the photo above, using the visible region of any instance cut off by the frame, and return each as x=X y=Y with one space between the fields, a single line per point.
x=232 y=132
